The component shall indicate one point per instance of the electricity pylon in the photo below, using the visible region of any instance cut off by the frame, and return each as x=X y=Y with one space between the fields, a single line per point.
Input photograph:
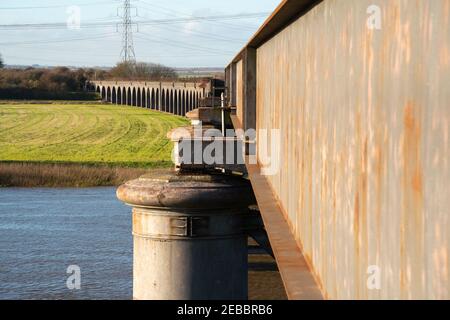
x=127 y=54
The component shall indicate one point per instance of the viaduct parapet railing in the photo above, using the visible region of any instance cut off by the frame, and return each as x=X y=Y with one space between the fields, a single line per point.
x=173 y=97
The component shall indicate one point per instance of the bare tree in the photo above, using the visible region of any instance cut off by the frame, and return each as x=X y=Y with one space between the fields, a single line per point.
x=143 y=71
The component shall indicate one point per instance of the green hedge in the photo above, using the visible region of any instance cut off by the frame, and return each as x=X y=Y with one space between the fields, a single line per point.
x=35 y=94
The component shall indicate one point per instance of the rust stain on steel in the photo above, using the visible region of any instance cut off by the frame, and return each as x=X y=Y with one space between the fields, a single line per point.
x=412 y=217
x=364 y=118
x=239 y=90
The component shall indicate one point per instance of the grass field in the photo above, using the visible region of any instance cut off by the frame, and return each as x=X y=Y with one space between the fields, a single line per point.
x=85 y=134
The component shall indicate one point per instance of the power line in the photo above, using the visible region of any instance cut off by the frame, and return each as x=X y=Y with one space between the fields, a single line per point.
x=58 y=25
x=100 y=36
x=179 y=44
x=55 y=25
x=127 y=24
x=177 y=12
x=189 y=49
x=160 y=55
x=206 y=35
x=54 y=6
x=44 y=59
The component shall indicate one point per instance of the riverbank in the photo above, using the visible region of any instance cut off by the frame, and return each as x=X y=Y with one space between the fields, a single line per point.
x=31 y=175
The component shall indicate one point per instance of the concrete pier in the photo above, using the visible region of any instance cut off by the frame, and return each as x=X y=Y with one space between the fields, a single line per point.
x=190 y=241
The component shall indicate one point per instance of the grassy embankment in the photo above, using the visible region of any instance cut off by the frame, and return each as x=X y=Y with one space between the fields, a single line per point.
x=62 y=144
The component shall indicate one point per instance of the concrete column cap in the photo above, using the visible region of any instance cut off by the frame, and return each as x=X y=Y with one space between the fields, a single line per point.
x=187 y=191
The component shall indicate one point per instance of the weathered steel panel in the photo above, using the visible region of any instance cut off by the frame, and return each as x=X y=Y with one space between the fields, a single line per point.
x=239 y=91
x=364 y=118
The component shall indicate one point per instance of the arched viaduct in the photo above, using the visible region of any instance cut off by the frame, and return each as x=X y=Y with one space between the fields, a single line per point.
x=172 y=97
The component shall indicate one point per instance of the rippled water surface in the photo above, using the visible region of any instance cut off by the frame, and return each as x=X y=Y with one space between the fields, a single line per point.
x=43 y=231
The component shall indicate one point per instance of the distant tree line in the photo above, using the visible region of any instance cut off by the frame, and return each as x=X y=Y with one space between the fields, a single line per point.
x=59 y=83
x=62 y=83
x=139 y=71
x=1 y=62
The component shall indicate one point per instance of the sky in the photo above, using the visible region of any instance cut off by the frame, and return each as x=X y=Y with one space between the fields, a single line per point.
x=177 y=33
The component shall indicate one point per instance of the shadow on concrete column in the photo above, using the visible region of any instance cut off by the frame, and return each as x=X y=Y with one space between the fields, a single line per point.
x=189 y=234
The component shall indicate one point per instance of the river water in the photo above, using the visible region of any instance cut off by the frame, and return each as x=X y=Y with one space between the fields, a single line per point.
x=44 y=231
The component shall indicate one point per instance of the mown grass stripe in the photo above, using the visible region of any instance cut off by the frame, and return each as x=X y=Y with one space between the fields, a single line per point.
x=95 y=133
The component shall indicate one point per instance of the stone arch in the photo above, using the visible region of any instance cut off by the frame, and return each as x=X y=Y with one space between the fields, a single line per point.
x=194 y=103
x=103 y=93
x=114 y=96
x=147 y=98
x=180 y=102
x=163 y=100
x=153 y=100
x=187 y=102
x=143 y=98
x=138 y=98
x=134 y=97
x=124 y=96
x=157 y=100
x=129 y=98
x=194 y=99
x=183 y=103
x=168 y=100
x=175 y=102
x=168 y=107
x=119 y=95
